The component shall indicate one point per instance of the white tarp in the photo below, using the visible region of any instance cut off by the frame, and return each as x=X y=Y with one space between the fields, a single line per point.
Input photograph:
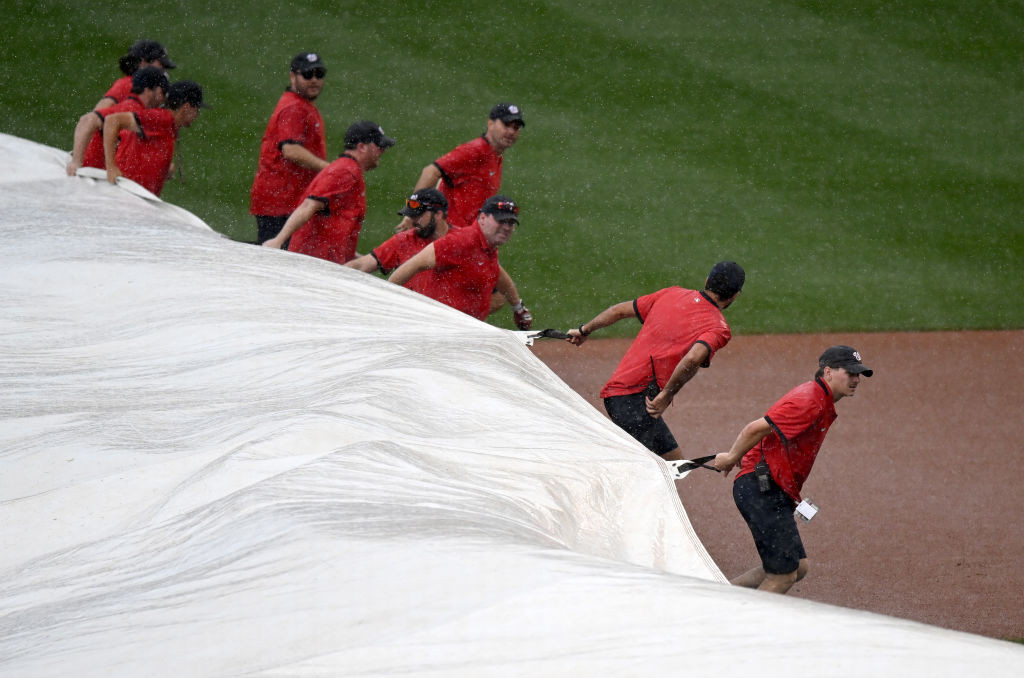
x=218 y=459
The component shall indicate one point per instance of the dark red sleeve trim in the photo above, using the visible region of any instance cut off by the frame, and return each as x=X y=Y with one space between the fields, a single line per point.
x=777 y=430
x=380 y=266
x=326 y=211
x=444 y=175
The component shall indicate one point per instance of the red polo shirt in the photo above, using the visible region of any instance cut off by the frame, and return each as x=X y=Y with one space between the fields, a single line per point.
x=333 y=232
x=146 y=157
x=121 y=88
x=399 y=248
x=470 y=174
x=674 y=319
x=93 y=156
x=466 y=271
x=280 y=184
x=799 y=420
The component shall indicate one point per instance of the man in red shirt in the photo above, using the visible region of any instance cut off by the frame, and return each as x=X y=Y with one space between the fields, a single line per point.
x=463 y=265
x=776 y=453
x=428 y=210
x=149 y=90
x=293 y=150
x=327 y=221
x=471 y=173
x=682 y=330
x=142 y=54
x=146 y=156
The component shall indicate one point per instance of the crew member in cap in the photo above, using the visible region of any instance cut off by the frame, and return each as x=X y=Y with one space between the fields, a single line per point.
x=428 y=210
x=146 y=157
x=293 y=150
x=149 y=89
x=471 y=173
x=142 y=54
x=682 y=331
x=786 y=439
x=327 y=221
x=463 y=268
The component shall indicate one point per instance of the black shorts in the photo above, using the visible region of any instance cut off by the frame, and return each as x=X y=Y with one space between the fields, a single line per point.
x=269 y=227
x=770 y=519
x=630 y=413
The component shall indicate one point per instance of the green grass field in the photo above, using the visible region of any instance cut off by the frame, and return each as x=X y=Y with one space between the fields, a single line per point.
x=863 y=161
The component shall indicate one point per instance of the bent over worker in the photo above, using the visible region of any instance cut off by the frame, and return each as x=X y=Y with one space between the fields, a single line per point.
x=682 y=330
x=327 y=223
x=146 y=157
x=464 y=268
x=776 y=453
x=428 y=210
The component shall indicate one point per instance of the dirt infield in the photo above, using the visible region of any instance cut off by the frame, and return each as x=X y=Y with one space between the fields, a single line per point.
x=919 y=492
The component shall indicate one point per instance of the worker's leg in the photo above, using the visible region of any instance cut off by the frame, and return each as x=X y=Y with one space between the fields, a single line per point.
x=769 y=516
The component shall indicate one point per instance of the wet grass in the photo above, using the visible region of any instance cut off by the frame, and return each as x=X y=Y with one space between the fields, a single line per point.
x=865 y=164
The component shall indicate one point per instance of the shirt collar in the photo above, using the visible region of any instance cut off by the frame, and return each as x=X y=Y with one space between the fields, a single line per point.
x=824 y=387
x=711 y=301
x=483 y=241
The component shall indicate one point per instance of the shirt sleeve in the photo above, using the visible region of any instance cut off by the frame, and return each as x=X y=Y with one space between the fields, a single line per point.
x=291 y=127
x=715 y=340
x=121 y=88
x=642 y=305
x=324 y=183
x=457 y=162
x=331 y=185
x=387 y=255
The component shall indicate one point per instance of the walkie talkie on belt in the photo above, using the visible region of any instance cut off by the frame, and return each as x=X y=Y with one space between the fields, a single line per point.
x=764 y=475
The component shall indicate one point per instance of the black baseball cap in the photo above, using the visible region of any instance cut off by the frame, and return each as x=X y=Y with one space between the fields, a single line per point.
x=846 y=357
x=306 y=60
x=151 y=50
x=367 y=132
x=148 y=77
x=185 y=92
x=424 y=199
x=726 y=279
x=507 y=113
x=501 y=207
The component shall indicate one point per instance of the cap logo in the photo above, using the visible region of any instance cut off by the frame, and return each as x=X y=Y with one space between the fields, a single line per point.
x=513 y=109
x=311 y=57
x=856 y=356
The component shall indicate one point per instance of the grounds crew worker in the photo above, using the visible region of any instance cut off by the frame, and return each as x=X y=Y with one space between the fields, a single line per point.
x=682 y=330
x=428 y=210
x=149 y=90
x=293 y=149
x=463 y=269
x=470 y=173
x=147 y=156
x=327 y=222
x=786 y=440
x=142 y=54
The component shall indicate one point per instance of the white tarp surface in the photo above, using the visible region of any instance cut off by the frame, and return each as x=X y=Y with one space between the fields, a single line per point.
x=220 y=460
